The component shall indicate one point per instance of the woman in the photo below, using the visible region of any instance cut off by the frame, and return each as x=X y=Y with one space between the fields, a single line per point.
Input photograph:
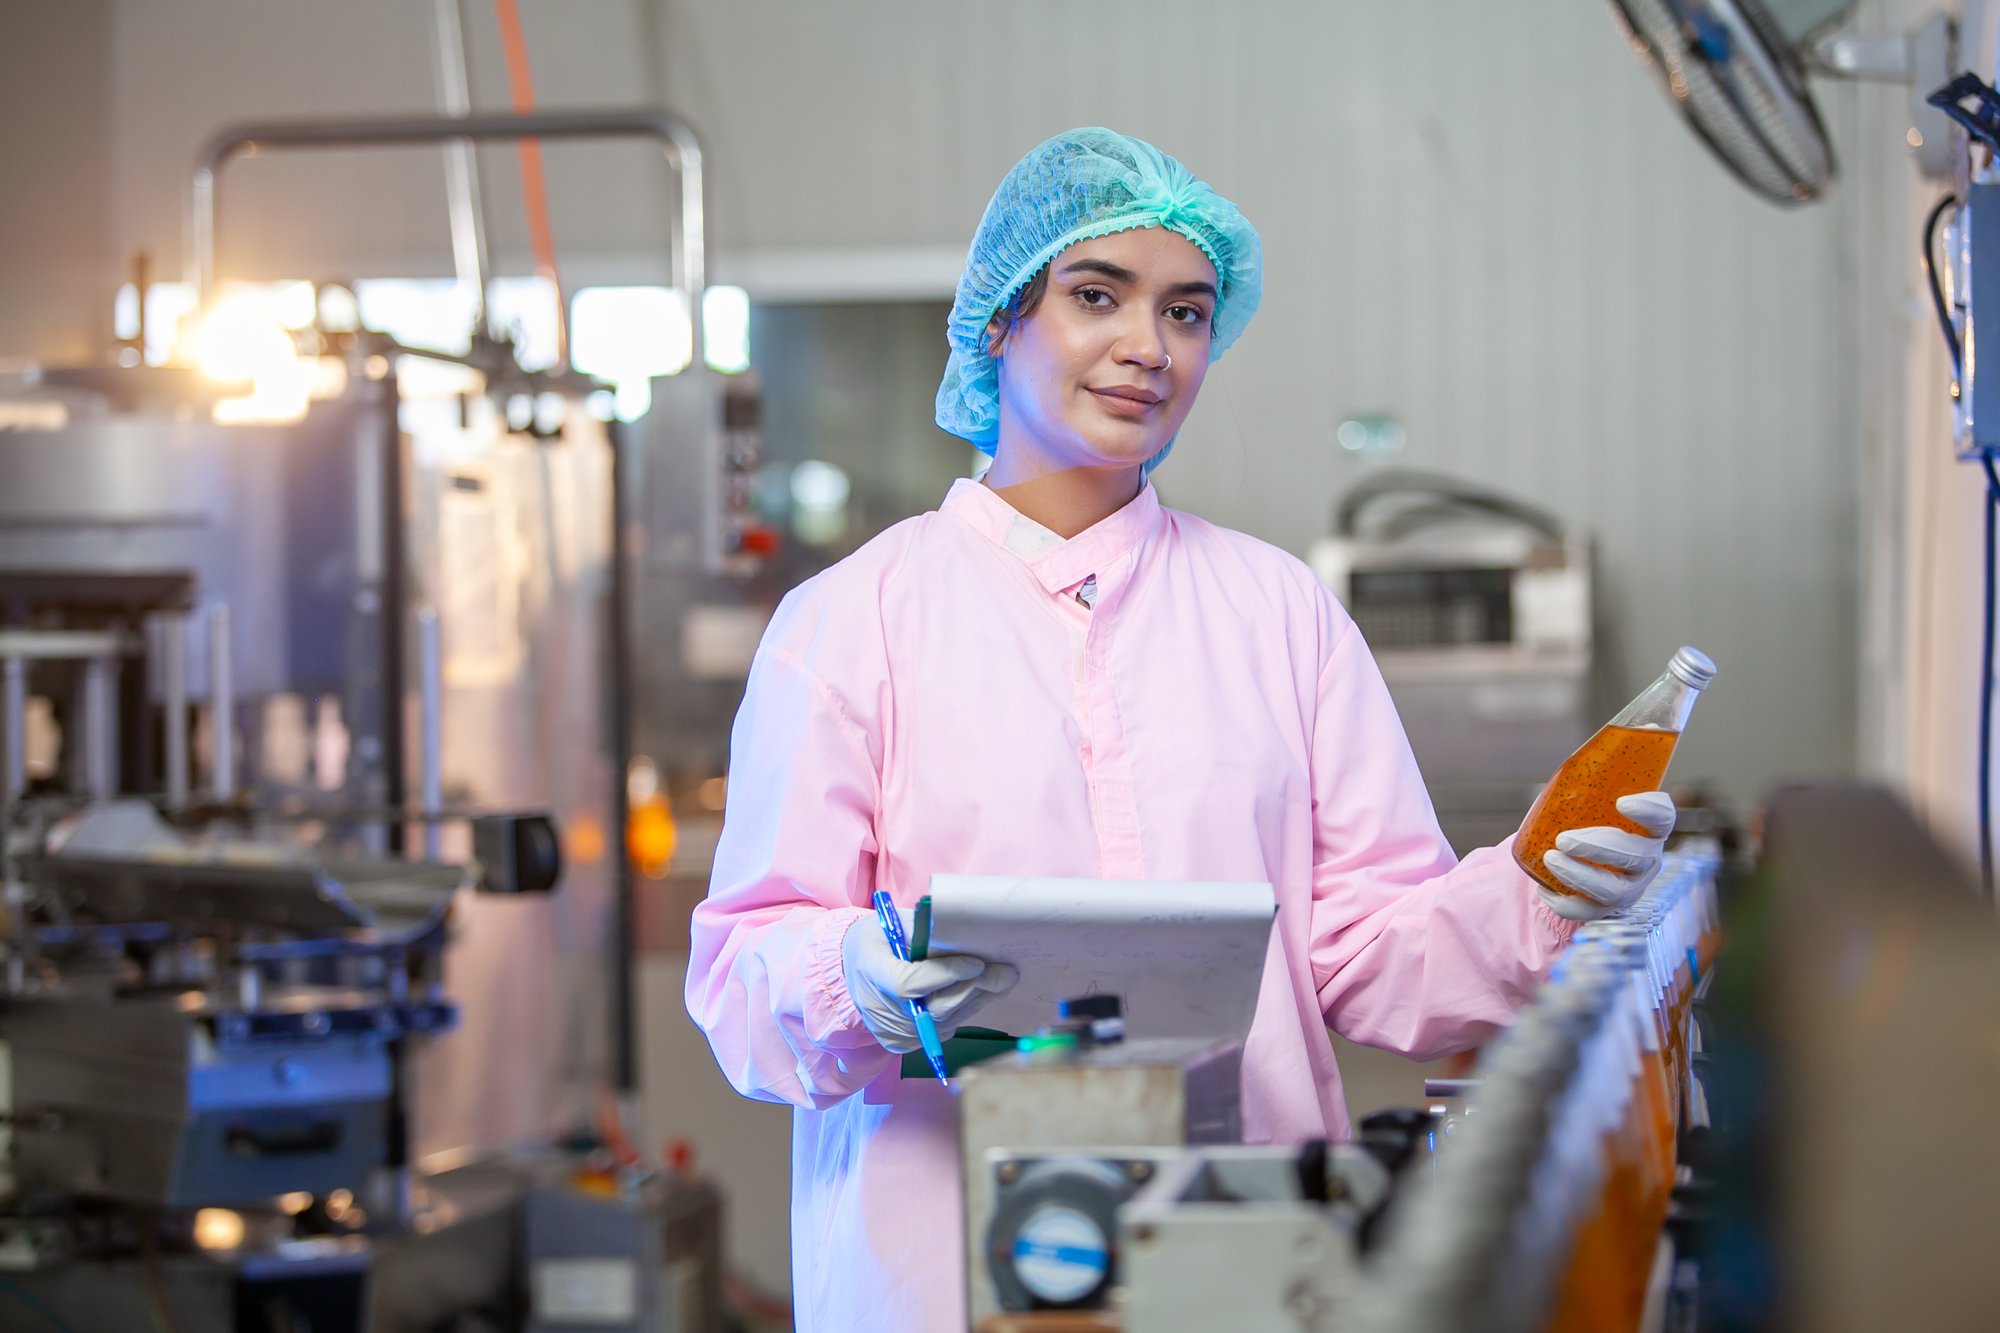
x=1053 y=675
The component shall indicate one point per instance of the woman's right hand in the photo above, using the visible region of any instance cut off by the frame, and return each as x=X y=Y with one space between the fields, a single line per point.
x=882 y=985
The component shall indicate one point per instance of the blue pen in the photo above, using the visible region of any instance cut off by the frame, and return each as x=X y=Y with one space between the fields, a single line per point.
x=920 y=1013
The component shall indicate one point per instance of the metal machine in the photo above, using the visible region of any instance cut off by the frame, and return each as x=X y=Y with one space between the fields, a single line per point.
x=314 y=740
x=1250 y=1238
x=1041 y=1196
x=1094 y=1205
x=1478 y=610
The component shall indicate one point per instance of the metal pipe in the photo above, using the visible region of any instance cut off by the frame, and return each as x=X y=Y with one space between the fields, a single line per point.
x=461 y=162
x=174 y=700
x=386 y=715
x=676 y=136
x=430 y=686
x=1450 y=1087
x=100 y=728
x=221 y=707
x=623 y=637
x=14 y=673
x=13 y=893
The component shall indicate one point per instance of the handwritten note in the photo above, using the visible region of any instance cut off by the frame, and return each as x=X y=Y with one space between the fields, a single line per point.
x=1186 y=958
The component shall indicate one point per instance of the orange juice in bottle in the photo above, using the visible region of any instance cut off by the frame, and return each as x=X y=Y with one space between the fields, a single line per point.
x=1629 y=754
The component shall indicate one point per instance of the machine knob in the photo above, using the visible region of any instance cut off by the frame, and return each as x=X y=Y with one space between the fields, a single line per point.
x=516 y=853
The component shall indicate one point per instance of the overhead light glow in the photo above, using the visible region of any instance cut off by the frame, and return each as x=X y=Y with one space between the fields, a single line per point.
x=818 y=485
x=238 y=339
x=626 y=333
x=218 y=1229
x=432 y=313
x=240 y=342
x=725 y=336
x=526 y=309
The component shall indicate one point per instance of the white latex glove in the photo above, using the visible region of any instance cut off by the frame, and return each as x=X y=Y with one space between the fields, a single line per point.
x=954 y=985
x=1633 y=859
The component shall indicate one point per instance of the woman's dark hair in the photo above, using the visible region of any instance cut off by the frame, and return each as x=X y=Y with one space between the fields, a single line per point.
x=1023 y=305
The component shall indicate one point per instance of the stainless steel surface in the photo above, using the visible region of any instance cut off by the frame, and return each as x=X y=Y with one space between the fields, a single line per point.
x=140 y=513
x=1222 y=1238
x=244 y=886
x=430 y=726
x=150 y=1103
x=461 y=163
x=171 y=665
x=1137 y=1094
x=367 y=462
x=494 y=1233
x=60 y=645
x=644 y=1261
x=14 y=681
x=154 y=516
x=203 y=1291
x=221 y=705
x=100 y=728
x=509 y=538
x=464 y=1252
x=680 y=475
x=510 y=541
x=677 y=139
x=291 y=956
x=1450 y=1087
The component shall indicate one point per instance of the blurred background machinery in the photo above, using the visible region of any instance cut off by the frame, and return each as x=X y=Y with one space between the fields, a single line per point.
x=315 y=725
x=1479 y=610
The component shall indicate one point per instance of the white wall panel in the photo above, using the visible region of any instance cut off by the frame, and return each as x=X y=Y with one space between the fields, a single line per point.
x=55 y=235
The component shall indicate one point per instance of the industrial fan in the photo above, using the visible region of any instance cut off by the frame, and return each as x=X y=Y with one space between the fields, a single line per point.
x=1737 y=69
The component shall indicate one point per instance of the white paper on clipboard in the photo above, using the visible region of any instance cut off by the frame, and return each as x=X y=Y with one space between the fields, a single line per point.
x=1187 y=958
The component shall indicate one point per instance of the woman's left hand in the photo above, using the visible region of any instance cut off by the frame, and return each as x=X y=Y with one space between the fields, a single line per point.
x=1608 y=868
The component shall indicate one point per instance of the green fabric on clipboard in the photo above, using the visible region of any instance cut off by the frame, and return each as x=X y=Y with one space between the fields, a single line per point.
x=967 y=1046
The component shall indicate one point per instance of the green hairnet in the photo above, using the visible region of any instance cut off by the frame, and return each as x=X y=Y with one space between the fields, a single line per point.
x=1075 y=187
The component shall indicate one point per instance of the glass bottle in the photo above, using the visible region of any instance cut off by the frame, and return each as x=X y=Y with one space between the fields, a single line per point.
x=1628 y=754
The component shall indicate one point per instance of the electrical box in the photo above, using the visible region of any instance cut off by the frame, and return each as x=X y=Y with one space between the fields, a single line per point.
x=701 y=446
x=1977 y=251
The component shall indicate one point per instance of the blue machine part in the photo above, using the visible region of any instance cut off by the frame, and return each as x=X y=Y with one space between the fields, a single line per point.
x=1976 y=251
x=1061 y=1255
x=1975 y=268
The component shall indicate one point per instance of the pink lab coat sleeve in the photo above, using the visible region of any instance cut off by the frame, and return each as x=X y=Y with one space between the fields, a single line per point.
x=794 y=869
x=1412 y=951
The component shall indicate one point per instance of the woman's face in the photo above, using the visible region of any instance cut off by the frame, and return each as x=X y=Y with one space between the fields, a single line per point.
x=1103 y=373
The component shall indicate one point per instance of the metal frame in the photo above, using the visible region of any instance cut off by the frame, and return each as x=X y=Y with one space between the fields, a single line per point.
x=686 y=236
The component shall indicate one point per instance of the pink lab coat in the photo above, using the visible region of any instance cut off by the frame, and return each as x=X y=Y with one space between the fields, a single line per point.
x=940 y=701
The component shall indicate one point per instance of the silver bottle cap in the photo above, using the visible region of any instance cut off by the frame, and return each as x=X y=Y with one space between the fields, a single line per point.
x=1693 y=668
